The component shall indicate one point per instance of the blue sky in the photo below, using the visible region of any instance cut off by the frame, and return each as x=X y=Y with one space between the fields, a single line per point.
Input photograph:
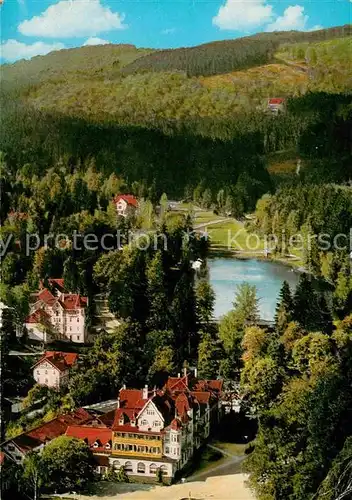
x=32 y=27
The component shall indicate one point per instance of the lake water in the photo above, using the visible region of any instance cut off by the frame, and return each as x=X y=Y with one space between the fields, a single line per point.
x=227 y=273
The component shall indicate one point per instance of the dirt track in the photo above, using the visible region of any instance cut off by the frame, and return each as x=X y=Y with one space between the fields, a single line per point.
x=230 y=487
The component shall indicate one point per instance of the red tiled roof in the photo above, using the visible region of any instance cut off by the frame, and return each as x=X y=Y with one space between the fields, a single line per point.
x=91 y=435
x=176 y=424
x=61 y=360
x=202 y=397
x=38 y=316
x=50 y=430
x=46 y=296
x=132 y=398
x=276 y=100
x=73 y=301
x=128 y=198
x=177 y=384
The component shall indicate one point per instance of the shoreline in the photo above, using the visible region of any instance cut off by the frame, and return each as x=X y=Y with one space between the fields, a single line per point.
x=215 y=252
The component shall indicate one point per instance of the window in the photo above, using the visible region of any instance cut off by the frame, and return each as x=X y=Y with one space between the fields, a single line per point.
x=150 y=411
x=167 y=450
x=156 y=423
x=141 y=468
x=46 y=372
x=144 y=422
x=116 y=464
x=163 y=469
x=152 y=469
x=70 y=328
x=77 y=320
x=77 y=337
x=128 y=467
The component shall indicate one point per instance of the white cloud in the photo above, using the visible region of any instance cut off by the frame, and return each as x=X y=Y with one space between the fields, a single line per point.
x=293 y=18
x=94 y=40
x=243 y=14
x=317 y=27
x=12 y=50
x=73 y=18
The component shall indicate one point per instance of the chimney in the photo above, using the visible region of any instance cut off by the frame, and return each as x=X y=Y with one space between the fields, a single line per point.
x=118 y=402
x=184 y=371
x=178 y=375
x=145 y=392
x=124 y=386
x=195 y=372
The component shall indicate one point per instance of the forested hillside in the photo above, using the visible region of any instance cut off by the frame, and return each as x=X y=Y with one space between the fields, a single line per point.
x=221 y=57
x=174 y=131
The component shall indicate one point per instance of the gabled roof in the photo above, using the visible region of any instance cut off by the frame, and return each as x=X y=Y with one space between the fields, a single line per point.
x=39 y=316
x=276 y=100
x=27 y=441
x=100 y=435
x=128 y=198
x=60 y=360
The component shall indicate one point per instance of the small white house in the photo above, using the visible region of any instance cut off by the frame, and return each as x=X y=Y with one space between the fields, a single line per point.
x=53 y=368
x=126 y=204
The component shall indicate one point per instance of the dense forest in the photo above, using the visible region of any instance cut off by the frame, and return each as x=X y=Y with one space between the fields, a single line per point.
x=229 y=55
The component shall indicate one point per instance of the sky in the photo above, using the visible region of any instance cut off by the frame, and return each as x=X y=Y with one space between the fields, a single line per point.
x=34 y=27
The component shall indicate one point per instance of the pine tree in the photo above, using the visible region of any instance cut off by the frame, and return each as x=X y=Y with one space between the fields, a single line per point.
x=284 y=308
x=208 y=357
x=205 y=298
x=157 y=294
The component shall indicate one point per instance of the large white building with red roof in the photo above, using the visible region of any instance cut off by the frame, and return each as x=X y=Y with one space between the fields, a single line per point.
x=126 y=204
x=161 y=429
x=56 y=314
x=53 y=368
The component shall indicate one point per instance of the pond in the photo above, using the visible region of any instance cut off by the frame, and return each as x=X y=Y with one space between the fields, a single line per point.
x=267 y=276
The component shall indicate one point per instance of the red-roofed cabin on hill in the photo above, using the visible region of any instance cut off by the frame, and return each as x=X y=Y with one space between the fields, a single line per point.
x=35 y=439
x=53 y=368
x=57 y=314
x=276 y=104
x=126 y=204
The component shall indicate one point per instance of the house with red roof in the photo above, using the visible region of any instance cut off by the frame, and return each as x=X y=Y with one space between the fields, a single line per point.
x=126 y=204
x=161 y=429
x=35 y=439
x=99 y=441
x=53 y=368
x=276 y=104
x=56 y=314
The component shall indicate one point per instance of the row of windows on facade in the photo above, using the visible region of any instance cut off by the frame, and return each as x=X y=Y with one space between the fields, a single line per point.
x=136 y=448
x=136 y=436
x=57 y=314
x=141 y=467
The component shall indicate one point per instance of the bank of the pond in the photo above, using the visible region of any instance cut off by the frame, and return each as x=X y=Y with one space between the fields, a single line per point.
x=226 y=273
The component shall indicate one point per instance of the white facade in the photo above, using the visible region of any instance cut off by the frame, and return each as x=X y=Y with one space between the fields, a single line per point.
x=47 y=374
x=143 y=467
x=61 y=323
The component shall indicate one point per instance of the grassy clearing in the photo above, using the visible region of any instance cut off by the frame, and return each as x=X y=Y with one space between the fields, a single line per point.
x=236 y=449
x=233 y=235
x=206 y=216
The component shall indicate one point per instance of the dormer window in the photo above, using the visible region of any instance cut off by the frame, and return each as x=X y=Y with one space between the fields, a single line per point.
x=108 y=446
x=121 y=422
